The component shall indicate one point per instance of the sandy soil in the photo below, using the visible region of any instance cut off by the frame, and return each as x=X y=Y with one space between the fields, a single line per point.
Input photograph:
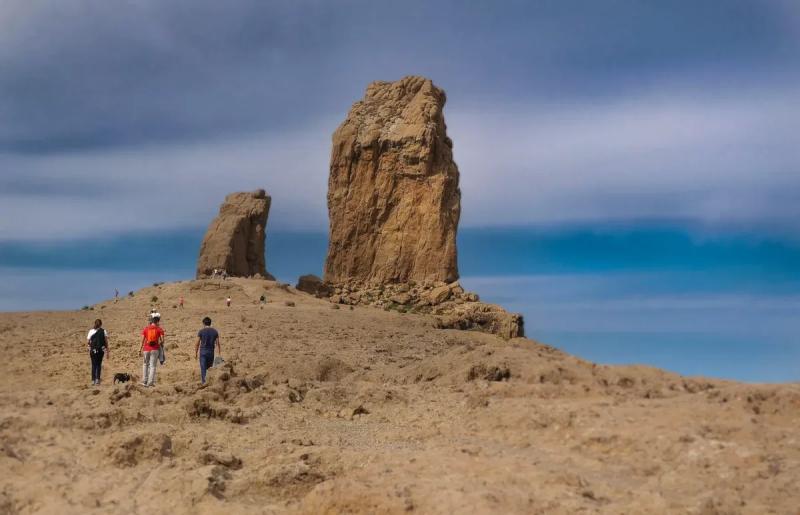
x=323 y=410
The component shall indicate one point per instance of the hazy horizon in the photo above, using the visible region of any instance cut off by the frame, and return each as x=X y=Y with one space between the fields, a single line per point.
x=722 y=305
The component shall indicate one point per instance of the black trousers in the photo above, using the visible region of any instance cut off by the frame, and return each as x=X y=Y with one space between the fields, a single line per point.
x=97 y=363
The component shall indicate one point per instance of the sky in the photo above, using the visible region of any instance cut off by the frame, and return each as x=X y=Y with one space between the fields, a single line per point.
x=141 y=115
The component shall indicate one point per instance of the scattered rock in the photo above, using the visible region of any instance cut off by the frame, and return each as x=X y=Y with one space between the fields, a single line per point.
x=295 y=396
x=489 y=373
x=360 y=410
x=118 y=394
x=401 y=298
x=332 y=369
x=248 y=384
x=440 y=294
x=489 y=318
x=226 y=460
x=456 y=308
x=298 y=477
x=204 y=408
x=133 y=450
x=217 y=481
x=12 y=453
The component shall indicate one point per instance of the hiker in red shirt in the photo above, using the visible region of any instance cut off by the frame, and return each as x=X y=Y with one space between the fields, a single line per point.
x=152 y=340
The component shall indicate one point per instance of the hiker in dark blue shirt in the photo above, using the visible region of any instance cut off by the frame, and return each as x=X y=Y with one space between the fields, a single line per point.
x=207 y=338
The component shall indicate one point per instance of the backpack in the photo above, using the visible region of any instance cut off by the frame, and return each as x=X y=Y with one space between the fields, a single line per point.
x=98 y=340
x=151 y=334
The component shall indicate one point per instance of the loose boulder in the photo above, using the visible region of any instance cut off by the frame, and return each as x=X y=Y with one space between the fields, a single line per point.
x=234 y=242
x=488 y=318
x=312 y=284
x=440 y=294
x=393 y=196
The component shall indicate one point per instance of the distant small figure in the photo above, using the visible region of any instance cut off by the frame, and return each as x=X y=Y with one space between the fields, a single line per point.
x=228 y=302
x=224 y=274
x=180 y=302
x=116 y=295
x=152 y=342
x=97 y=341
x=263 y=299
x=207 y=338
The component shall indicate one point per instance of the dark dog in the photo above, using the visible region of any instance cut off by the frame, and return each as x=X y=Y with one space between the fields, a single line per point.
x=121 y=377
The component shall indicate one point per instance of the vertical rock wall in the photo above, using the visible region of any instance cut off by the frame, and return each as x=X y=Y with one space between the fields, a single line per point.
x=234 y=241
x=393 y=196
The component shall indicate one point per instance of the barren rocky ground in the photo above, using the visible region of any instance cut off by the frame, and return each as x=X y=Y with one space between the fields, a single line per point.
x=323 y=410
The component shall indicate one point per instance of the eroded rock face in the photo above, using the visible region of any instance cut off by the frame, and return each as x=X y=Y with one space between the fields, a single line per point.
x=393 y=196
x=234 y=241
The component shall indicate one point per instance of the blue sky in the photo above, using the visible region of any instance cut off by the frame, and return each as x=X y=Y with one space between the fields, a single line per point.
x=141 y=115
x=695 y=302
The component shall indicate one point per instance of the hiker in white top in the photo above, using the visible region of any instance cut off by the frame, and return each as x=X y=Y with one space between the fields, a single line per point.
x=97 y=342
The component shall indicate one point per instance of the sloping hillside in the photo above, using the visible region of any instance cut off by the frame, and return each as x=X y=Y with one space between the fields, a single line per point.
x=324 y=410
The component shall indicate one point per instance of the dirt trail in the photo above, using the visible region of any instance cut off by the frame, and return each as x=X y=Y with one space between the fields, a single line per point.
x=323 y=410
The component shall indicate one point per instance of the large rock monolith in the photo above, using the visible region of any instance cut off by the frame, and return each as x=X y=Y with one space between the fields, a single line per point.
x=393 y=196
x=234 y=242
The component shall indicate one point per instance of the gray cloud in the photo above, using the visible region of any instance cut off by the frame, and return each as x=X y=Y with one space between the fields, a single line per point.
x=728 y=158
x=161 y=187
x=141 y=115
x=89 y=74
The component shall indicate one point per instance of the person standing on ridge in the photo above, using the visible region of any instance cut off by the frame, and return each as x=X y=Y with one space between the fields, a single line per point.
x=97 y=341
x=152 y=340
x=207 y=338
x=116 y=295
x=228 y=301
x=180 y=302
